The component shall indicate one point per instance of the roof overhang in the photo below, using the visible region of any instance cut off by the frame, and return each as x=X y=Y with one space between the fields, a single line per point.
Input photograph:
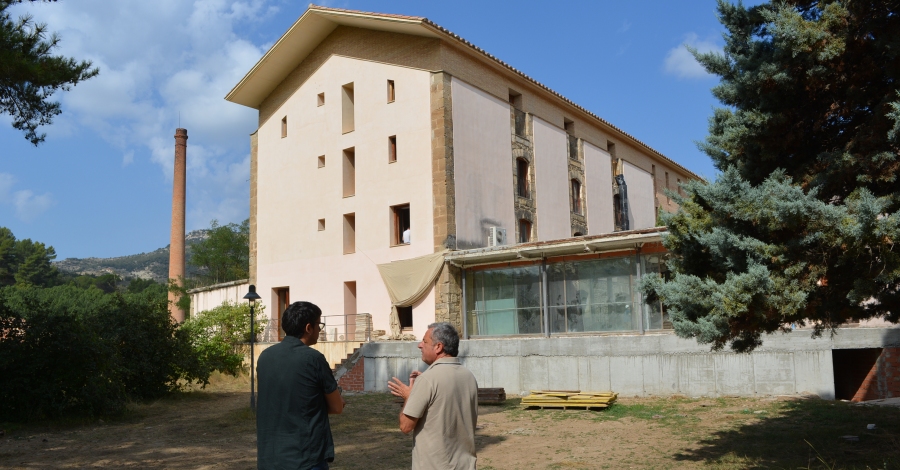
x=619 y=241
x=303 y=36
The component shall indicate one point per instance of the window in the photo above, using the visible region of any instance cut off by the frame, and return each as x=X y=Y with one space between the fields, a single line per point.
x=349 y=312
x=349 y=172
x=679 y=187
x=392 y=149
x=596 y=295
x=668 y=199
x=521 y=177
x=504 y=301
x=569 y=126
x=347 y=108
x=406 y=319
x=573 y=146
x=282 y=300
x=400 y=229
x=349 y=233
x=320 y=99
x=390 y=91
x=515 y=99
x=576 y=196
x=524 y=231
x=284 y=127
x=321 y=160
x=321 y=224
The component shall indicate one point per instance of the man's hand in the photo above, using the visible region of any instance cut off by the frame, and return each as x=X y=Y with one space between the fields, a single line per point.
x=400 y=389
x=412 y=377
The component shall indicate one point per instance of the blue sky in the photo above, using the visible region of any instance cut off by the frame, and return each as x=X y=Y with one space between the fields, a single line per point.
x=101 y=184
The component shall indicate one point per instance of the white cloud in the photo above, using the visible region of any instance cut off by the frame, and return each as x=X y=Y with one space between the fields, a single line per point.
x=682 y=64
x=29 y=206
x=626 y=25
x=158 y=60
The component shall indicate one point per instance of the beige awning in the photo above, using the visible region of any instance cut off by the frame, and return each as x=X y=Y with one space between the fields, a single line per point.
x=408 y=281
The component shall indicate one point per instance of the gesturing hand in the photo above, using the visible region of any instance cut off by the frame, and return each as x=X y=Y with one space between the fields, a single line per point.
x=400 y=389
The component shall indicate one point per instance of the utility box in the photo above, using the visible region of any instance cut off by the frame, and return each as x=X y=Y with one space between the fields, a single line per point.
x=497 y=236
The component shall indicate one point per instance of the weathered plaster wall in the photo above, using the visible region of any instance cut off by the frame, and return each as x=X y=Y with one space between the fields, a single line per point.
x=551 y=180
x=598 y=187
x=641 y=211
x=481 y=159
x=212 y=298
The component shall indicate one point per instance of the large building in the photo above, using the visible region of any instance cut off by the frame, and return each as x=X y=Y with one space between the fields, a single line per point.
x=402 y=172
x=373 y=124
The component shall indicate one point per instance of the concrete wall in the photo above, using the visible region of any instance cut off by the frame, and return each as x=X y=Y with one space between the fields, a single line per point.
x=641 y=365
x=598 y=188
x=334 y=351
x=212 y=298
x=482 y=165
x=641 y=210
x=551 y=181
x=295 y=192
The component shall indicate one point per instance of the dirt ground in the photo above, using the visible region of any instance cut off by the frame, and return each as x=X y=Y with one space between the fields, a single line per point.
x=214 y=428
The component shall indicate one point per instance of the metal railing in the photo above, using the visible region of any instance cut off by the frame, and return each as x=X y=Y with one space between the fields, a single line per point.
x=356 y=327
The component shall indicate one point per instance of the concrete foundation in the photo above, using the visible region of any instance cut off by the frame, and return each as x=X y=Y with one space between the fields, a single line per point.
x=639 y=365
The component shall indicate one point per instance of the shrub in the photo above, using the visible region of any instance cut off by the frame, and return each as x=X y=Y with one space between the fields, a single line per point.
x=219 y=336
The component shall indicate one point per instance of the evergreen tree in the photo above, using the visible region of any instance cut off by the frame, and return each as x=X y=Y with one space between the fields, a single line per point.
x=35 y=264
x=225 y=253
x=801 y=226
x=29 y=74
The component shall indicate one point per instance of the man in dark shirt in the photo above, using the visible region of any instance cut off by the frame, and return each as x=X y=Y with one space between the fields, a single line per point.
x=297 y=392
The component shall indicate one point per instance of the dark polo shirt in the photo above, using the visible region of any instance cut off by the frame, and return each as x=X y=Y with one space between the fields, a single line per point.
x=292 y=428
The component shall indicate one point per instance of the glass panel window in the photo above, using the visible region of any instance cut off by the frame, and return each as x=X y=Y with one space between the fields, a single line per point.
x=504 y=301
x=595 y=295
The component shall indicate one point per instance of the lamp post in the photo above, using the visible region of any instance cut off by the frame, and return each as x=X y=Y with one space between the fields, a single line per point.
x=252 y=297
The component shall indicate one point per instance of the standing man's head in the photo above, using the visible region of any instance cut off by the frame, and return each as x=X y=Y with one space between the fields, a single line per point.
x=302 y=320
x=441 y=340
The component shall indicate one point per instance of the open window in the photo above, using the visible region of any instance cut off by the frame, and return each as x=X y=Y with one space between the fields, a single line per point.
x=349 y=233
x=576 y=196
x=522 y=177
x=406 y=319
x=347 y=123
x=321 y=161
x=282 y=300
x=284 y=127
x=320 y=99
x=400 y=230
x=392 y=149
x=524 y=231
x=390 y=91
x=321 y=225
x=349 y=172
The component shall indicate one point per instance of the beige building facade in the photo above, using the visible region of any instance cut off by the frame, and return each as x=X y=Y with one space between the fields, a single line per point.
x=385 y=137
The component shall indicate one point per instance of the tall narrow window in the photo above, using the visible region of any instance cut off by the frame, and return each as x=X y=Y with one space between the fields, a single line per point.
x=668 y=199
x=406 y=319
x=349 y=233
x=524 y=231
x=349 y=312
x=284 y=127
x=521 y=177
x=392 y=149
x=347 y=108
x=400 y=229
x=282 y=300
x=320 y=99
x=679 y=187
x=349 y=172
x=390 y=91
x=655 y=196
x=576 y=196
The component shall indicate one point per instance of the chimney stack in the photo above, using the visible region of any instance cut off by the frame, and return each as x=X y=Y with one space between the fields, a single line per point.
x=176 y=244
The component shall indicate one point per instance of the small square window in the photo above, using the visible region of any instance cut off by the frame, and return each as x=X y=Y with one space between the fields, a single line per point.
x=284 y=127
x=321 y=224
x=390 y=91
x=320 y=99
x=321 y=160
x=392 y=149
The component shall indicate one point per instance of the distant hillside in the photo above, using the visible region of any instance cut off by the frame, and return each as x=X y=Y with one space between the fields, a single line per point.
x=153 y=265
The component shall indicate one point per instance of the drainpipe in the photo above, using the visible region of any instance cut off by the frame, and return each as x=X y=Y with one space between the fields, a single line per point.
x=462 y=308
x=544 y=300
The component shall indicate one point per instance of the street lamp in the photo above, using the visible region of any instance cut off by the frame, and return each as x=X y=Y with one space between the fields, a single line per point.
x=252 y=297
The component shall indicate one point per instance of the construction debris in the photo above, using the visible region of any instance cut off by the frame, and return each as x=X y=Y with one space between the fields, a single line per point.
x=491 y=396
x=566 y=399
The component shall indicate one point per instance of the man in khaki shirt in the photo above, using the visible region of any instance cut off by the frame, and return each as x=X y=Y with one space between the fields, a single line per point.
x=440 y=405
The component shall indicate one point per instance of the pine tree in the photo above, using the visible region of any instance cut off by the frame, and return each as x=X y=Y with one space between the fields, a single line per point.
x=802 y=225
x=29 y=74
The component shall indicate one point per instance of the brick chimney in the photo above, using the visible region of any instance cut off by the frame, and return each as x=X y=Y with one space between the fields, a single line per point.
x=176 y=244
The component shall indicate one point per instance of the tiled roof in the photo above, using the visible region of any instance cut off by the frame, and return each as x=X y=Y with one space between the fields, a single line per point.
x=518 y=72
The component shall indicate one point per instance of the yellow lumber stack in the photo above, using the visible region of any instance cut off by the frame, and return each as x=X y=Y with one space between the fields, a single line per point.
x=569 y=399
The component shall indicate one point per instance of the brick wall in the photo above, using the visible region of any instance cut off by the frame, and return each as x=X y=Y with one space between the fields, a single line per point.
x=882 y=379
x=352 y=380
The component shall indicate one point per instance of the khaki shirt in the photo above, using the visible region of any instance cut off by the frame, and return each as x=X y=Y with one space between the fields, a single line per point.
x=445 y=399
